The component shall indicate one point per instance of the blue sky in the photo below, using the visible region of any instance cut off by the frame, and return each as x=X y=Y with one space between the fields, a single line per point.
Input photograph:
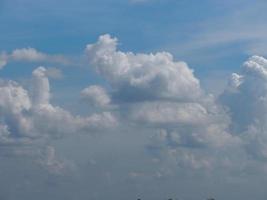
x=210 y=36
x=127 y=99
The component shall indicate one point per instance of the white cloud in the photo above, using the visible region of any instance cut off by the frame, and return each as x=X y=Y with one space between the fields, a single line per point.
x=28 y=118
x=155 y=76
x=96 y=96
x=28 y=54
x=33 y=55
x=246 y=102
x=153 y=91
x=41 y=88
x=151 y=94
x=14 y=101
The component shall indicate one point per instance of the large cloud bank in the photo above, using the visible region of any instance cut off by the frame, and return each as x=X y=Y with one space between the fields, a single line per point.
x=151 y=93
x=191 y=128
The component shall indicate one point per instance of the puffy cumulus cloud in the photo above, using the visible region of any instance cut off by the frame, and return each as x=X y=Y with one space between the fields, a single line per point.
x=256 y=66
x=154 y=92
x=14 y=108
x=28 y=117
x=230 y=128
x=245 y=99
x=55 y=116
x=142 y=76
x=96 y=96
x=157 y=93
x=41 y=88
x=247 y=90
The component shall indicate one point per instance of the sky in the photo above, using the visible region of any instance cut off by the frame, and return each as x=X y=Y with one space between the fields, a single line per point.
x=128 y=99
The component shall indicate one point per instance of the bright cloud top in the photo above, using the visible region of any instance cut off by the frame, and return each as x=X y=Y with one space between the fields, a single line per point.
x=155 y=76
